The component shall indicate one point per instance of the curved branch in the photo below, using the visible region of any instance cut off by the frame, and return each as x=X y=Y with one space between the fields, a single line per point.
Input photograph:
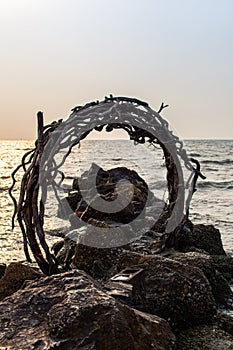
x=30 y=208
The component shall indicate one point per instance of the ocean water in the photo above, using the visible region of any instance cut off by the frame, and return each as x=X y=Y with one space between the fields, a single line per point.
x=211 y=204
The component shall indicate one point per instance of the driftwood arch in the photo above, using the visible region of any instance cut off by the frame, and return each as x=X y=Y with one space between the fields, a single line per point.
x=147 y=126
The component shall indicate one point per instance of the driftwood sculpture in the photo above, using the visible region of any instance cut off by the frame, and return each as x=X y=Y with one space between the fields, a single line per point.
x=142 y=125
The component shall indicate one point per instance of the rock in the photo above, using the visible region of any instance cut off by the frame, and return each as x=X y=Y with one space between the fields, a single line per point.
x=2 y=269
x=220 y=288
x=203 y=237
x=106 y=188
x=69 y=311
x=205 y=337
x=224 y=322
x=68 y=204
x=143 y=245
x=223 y=292
x=15 y=275
x=64 y=251
x=100 y=263
x=224 y=264
x=99 y=234
x=77 y=246
x=177 y=292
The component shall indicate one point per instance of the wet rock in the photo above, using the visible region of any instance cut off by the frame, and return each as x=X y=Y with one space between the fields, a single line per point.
x=87 y=223
x=203 y=237
x=177 y=292
x=69 y=311
x=205 y=337
x=100 y=263
x=101 y=235
x=224 y=321
x=15 y=276
x=220 y=288
x=110 y=185
x=223 y=292
x=143 y=245
x=81 y=249
x=224 y=264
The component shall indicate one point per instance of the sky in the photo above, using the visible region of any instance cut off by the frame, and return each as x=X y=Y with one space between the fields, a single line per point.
x=56 y=54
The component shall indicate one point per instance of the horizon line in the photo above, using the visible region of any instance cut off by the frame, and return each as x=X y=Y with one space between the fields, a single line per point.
x=126 y=139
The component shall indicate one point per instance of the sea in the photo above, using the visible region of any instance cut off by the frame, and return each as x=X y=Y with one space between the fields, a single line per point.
x=212 y=203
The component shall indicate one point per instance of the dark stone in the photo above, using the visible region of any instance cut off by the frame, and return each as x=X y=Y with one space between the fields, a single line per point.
x=220 y=288
x=224 y=322
x=223 y=293
x=69 y=311
x=15 y=275
x=206 y=337
x=82 y=249
x=100 y=263
x=203 y=237
x=106 y=187
x=177 y=292
x=224 y=264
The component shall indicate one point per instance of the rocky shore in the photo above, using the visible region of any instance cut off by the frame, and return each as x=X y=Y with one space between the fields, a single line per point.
x=122 y=298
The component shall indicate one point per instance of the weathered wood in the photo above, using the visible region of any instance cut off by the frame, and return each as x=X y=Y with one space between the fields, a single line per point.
x=29 y=208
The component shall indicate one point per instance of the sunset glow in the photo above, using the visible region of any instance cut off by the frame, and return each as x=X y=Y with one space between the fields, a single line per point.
x=58 y=54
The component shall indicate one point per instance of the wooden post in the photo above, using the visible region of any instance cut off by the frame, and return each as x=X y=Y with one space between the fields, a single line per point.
x=40 y=123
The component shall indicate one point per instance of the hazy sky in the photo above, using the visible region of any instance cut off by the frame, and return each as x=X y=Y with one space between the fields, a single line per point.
x=56 y=54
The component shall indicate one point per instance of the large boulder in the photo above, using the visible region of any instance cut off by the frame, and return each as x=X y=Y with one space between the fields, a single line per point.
x=15 y=275
x=220 y=287
x=204 y=238
x=69 y=311
x=105 y=188
x=178 y=292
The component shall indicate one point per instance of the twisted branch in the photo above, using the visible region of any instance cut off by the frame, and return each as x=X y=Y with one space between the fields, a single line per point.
x=29 y=208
